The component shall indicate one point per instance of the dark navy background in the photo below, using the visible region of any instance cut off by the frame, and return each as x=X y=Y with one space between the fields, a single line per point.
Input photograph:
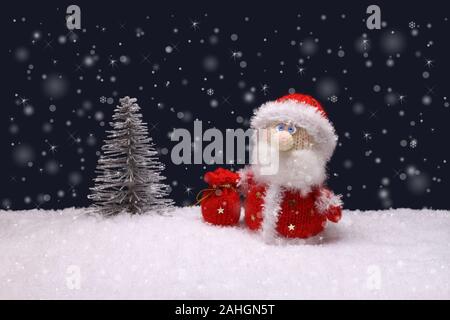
x=217 y=63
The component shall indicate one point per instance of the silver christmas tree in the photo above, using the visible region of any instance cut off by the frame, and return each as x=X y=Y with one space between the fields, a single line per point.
x=128 y=171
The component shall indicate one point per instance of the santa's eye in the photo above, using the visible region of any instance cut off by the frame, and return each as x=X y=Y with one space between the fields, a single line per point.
x=281 y=127
x=291 y=129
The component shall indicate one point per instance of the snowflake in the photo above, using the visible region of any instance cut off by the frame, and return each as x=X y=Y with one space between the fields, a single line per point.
x=210 y=92
x=139 y=32
x=413 y=143
x=102 y=99
x=334 y=99
x=264 y=88
x=412 y=25
x=367 y=136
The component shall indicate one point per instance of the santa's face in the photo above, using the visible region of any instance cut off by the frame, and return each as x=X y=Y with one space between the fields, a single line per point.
x=289 y=137
x=289 y=152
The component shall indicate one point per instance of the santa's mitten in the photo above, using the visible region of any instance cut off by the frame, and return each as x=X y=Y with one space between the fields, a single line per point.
x=334 y=214
x=329 y=204
x=220 y=202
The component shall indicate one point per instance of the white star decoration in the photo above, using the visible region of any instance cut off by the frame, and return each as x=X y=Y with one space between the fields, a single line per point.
x=220 y=210
x=291 y=227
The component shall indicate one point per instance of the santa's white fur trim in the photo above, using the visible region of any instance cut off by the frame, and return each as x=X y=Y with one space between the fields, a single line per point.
x=243 y=179
x=270 y=211
x=327 y=199
x=302 y=115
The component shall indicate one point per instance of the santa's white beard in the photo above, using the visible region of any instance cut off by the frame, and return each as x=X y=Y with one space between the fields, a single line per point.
x=300 y=170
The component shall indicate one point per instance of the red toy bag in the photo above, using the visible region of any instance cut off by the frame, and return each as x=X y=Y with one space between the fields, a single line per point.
x=220 y=202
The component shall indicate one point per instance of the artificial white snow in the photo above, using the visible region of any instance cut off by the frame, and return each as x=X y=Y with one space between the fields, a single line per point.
x=369 y=255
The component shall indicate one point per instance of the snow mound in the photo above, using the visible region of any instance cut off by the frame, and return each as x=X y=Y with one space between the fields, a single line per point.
x=403 y=254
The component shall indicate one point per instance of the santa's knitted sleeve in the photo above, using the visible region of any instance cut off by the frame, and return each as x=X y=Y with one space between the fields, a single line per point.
x=329 y=204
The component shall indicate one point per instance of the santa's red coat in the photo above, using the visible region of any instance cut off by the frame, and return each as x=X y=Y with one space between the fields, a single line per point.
x=294 y=215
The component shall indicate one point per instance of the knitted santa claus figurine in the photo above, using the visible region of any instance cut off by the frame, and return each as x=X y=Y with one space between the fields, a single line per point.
x=284 y=186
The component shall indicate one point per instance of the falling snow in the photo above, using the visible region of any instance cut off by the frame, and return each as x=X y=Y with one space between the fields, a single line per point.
x=383 y=88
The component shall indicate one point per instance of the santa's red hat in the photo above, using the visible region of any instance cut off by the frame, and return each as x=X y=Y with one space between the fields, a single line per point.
x=303 y=111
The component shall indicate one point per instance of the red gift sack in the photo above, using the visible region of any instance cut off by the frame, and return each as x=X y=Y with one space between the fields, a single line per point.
x=220 y=202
